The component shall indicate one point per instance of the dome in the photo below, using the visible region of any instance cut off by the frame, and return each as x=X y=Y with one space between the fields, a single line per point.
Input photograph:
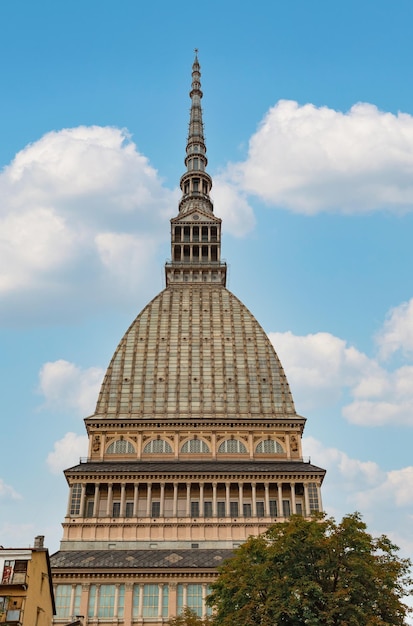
x=195 y=351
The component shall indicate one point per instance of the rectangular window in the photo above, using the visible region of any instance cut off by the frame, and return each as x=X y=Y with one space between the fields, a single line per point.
x=75 y=499
x=194 y=509
x=273 y=508
x=106 y=604
x=207 y=509
x=190 y=596
x=299 y=508
x=106 y=600
x=63 y=597
x=156 y=509
x=313 y=497
x=150 y=600
x=247 y=509
x=233 y=509
x=89 y=508
x=286 y=508
x=260 y=509
x=116 y=509
x=129 y=509
x=221 y=509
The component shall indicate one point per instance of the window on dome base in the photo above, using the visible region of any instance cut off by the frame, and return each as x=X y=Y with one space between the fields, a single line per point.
x=120 y=446
x=232 y=446
x=157 y=446
x=195 y=446
x=269 y=446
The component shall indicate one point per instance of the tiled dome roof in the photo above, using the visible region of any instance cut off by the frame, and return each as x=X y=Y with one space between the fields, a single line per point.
x=195 y=351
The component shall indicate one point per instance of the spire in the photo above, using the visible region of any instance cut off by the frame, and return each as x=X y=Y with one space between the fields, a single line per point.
x=196 y=183
x=196 y=231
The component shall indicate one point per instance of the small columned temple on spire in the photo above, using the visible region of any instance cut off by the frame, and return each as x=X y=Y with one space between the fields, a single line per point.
x=195 y=443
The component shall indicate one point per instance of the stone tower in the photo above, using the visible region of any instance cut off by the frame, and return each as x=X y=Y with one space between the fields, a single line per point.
x=195 y=443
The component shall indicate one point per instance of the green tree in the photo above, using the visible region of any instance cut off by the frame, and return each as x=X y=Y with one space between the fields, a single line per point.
x=189 y=618
x=313 y=572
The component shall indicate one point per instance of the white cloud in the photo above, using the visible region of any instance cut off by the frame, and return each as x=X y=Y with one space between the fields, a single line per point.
x=320 y=366
x=397 y=331
x=232 y=207
x=311 y=159
x=67 y=452
x=7 y=491
x=323 y=369
x=79 y=208
x=67 y=387
x=82 y=220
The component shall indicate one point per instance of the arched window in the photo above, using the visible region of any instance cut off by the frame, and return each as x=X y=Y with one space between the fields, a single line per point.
x=157 y=446
x=232 y=446
x=269 y=446
x=195 y=446
x=120 y=446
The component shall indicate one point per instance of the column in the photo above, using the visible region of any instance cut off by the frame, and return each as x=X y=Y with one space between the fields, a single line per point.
x=320 y=504
x=175 y=504
x=162 y=503
x=293 y=507
x=148 y=499
x=160 y=599
x=82 y=500
x=214 y=499
x=135 y=500
x=267 y=499
x=72 y=600
x=173 y=599
x=128 y=610
x=201 y=499
x=122 y=499
x=204 y=595
x=140 y=606
x=280 y=500
x=241 y=498
x=188 y=500
x=185 y=595
x=254 y=499
x=251 y=445
x=95 y=503
x=95 y=608
x=306 y=500
x=109 y=502
x=227 y=499
x=116 y=600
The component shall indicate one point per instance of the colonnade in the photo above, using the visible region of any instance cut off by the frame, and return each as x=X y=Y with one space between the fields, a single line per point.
x=195 y=499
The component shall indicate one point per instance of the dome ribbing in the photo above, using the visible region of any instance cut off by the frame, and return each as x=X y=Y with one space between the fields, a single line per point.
x=195 y=351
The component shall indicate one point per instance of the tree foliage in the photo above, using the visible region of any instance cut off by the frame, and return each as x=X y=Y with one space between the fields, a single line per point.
x=313 y=572
x=189 y=618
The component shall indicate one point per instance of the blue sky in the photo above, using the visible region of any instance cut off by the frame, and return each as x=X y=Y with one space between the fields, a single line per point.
x=308 y=115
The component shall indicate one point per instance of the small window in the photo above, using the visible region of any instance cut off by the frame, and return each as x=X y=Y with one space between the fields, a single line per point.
x=156 y=509
x=157 y=446
x=247 y=509
x=195 y=446
x=233 y=509
x=120 y=446
x=269 y=446
x=129 y=509
x=221 y=509
x=232 y=446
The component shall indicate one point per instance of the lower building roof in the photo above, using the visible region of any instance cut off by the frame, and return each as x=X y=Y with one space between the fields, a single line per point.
x=139 y=559
x=197 y=467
